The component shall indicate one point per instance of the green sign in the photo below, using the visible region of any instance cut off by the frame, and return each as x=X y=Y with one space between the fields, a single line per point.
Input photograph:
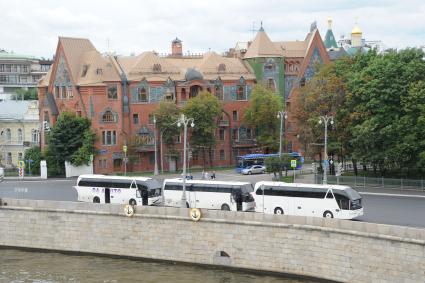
x=293 y=163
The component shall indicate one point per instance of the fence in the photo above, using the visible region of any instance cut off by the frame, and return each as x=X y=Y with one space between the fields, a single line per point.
x=374 y=183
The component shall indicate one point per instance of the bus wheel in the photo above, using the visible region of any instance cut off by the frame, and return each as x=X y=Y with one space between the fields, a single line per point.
x=278 y=210
x=132 y=202
x=328 y=214
x=96 y=200
x=225 y=207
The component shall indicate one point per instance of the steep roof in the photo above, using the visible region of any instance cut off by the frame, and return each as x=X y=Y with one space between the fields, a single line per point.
x=330 y=41
x=74 y=49
x=44 y=81
x=210 y=65
x=292 y=48
x=96 y=69
x=262 y=46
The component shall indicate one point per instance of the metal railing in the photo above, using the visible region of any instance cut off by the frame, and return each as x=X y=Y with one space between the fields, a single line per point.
x=364 y=182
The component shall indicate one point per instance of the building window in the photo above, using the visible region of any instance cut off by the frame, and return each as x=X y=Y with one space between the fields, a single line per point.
x=219 y=92
x=20 y=156
x=221 y=68
x=302 y=82
x=108 y=117
x=35 y=135
x=78 y=113
x=222 y=154
x=63 y=92
x=240 y=94
x=178 y=138
x=85 y=69
x=8 y=135
x=289 y=146
x=183 y=94
x=9 y=158
x=235 y=115
x=271 y=84
x=99 y=71
x=56 y=91
x=142 y=95
x=70 y=94
x=103 y=164
x=135 y=118
x=20 y=136
x=152 y=159
x=117 y=163
x=221 y=134
x=157 y=68
x=248 y=133
x=112 y=92
x=151 y=119
x=109 y=137
x=235 y=134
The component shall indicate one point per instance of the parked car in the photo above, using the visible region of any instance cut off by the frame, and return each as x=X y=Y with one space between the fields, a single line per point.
x=254 y=169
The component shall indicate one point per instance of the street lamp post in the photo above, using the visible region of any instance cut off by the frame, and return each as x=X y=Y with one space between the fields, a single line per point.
x=155 y=172
x=282 y=115
x=326 y=119
x=183 y=120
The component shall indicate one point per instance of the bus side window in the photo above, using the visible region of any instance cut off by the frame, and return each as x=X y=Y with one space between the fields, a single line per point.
x=259 y=191
x=329 y=194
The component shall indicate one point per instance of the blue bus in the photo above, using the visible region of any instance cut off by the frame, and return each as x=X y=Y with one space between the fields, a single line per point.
x=247 y=160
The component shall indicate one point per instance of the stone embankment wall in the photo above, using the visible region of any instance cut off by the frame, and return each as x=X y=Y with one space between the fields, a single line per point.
x=345 y=251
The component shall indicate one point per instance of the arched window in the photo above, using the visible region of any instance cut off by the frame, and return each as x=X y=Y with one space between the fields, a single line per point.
x=271 y=84
x=270 y=66
x=240 y=93
x=20 y=136
x=35 y=134
x=302 y=82
x=108 y=117
x=142 y=95
x=221 y=68
x=8 y=135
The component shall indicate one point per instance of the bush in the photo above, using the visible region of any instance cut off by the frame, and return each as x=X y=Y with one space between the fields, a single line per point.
x=34 y=154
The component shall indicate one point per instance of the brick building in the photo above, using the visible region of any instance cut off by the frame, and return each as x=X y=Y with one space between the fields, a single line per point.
x=119 y=94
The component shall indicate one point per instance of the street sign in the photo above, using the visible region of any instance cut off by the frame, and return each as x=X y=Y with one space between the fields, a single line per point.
x=293 y=163
x=124 y=148
x=21 y=163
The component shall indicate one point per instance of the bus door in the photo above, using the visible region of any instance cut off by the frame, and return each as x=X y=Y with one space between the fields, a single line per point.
x=190 y=195
x=107 y=195
x=330 y=202
x=142 y=192
x=259 y=199
x=237 y=197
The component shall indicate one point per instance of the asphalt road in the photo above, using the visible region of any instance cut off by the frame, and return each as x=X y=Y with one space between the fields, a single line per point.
x=378 y=208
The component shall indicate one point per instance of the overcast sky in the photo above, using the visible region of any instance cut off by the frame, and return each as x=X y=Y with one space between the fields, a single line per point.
x=33 y=27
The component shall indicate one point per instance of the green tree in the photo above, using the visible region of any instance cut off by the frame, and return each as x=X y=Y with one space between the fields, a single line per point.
x=34 y=154
x=166 y=116
x=26 y=94
x=261 y=115
x=205 y=109
x=70 y=139
x=276 y=164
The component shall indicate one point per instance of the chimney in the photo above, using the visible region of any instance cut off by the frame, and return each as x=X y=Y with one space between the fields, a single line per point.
x=176 y=47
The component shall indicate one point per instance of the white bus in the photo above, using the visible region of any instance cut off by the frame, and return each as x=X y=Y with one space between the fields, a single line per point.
x=117 y=189
x=330 y=201
x=235 y=196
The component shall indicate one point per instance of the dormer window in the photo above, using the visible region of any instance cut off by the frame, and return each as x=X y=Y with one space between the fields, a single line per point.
x=157 y=68
x=85 y=69
x=99 y=71
x=221 y=68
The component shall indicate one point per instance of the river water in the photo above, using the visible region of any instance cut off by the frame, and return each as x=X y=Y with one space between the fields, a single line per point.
x=49 y=267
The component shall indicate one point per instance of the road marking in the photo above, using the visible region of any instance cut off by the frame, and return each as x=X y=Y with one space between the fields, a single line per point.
x=392 y=195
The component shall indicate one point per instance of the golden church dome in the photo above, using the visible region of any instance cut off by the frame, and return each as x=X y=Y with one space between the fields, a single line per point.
x=356 y=30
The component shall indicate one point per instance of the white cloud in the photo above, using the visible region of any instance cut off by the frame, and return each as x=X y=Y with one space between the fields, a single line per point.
x=32 y=27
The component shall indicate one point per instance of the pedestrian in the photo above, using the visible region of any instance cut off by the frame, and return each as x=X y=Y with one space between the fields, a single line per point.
x=206 y=175
x=203 y=175
x=213 y=175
